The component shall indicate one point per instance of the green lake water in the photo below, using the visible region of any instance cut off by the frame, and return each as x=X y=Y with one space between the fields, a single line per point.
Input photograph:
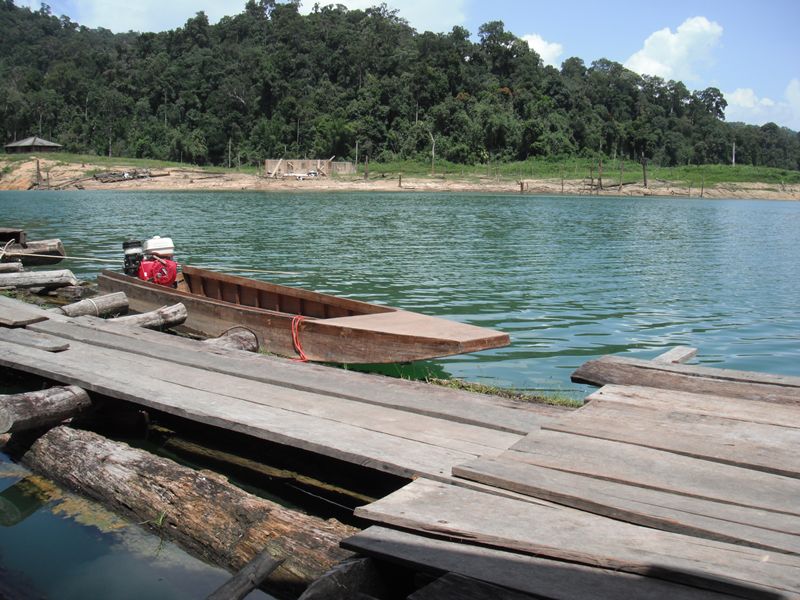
x=569 y=278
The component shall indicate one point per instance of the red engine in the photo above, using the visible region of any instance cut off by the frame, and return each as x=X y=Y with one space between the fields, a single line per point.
x=158 y=270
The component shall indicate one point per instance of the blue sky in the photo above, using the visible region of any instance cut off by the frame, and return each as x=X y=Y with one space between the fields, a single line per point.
x=748 y=49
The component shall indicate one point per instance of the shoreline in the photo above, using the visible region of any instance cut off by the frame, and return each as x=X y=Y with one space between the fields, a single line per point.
x=57 y=175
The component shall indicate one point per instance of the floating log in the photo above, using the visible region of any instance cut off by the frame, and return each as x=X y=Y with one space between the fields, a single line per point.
x=48 y=252
x=38 y=279
x=208 y=516
x=248 y=579
x=116 y=303
x=11 y=267
x=161 y=318
x=31 y=410
x=236 y=338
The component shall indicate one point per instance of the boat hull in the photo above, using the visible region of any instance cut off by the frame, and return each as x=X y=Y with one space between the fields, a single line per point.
x=382 y=335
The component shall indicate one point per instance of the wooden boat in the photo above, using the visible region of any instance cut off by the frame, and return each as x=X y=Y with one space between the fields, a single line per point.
x=292 y=321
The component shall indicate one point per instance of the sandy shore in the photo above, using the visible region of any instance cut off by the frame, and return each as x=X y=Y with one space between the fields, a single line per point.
x=72 y=176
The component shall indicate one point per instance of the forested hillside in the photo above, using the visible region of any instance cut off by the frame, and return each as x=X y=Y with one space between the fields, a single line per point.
x=271 y=82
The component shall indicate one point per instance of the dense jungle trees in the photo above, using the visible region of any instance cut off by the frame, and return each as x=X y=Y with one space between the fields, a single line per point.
x=271 y=82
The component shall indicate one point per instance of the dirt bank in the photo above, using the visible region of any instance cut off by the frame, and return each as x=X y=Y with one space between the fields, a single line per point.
x=54 y=174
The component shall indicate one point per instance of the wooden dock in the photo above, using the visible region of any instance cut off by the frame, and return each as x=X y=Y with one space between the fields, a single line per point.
x=673 y=481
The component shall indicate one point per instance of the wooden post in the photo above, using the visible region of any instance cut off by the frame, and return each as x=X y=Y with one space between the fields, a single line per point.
x=35 y=279
x=599 y=176
x=116 y=303
x=433 y=154
x=366 y=167
x=248 y=579
x=400 y=180
x=235 y=338
x=644 y=170
x=38 y=174
x=203 y=512
x=44 y=408
x=591 y=178
x=521 y=186
x=621 y=171
x=161 y=318
x=703 y=185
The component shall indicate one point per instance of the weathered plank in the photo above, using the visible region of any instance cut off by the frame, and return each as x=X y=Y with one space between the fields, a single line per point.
x=113 y=377
x=34 y=339
x=782 y=389
x=651 y=508
x=460 y=437
x=459 y=587
x=14 y=313
x=768 y=448
x=529 y=574
x=477 y=409
x=463 y=514
x=752 y=411
x=678 y=354
x=655 y=469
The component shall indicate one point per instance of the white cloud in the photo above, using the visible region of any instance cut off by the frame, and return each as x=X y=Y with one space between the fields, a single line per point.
x=146 y=15
x=422 y=15
x=549 y=51
x=744 y=105
x=157 y=15
x=677 y=55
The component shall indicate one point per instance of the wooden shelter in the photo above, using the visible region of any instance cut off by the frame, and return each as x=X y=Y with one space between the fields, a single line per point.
x=32 y=144
x=307 y=167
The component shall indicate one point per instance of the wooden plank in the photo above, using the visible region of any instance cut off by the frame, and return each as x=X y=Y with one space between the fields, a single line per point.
x=528 y=574
x=14 y=313
x=768 y=448
x=470 y=439
x=678 y=354
x=782 y=389
x=752 y=411
x=464 y=407
x=652 y=508
x=459 y=587
x=33 y=339
x=113 y=377
x=445 y=510
x=655 y=469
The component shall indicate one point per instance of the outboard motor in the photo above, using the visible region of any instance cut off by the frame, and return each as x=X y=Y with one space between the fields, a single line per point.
x=158 y=266
x=133 y=257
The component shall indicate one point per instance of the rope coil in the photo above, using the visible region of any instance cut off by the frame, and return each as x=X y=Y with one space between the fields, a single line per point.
x=296 y=320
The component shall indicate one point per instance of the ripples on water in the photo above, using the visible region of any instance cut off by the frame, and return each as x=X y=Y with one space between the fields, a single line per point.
x=568 y=278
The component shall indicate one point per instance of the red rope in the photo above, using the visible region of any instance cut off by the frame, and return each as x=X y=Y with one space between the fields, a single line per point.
x=296 y=320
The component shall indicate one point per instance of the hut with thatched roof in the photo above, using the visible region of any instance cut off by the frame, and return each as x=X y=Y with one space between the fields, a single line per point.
x=32 y=144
